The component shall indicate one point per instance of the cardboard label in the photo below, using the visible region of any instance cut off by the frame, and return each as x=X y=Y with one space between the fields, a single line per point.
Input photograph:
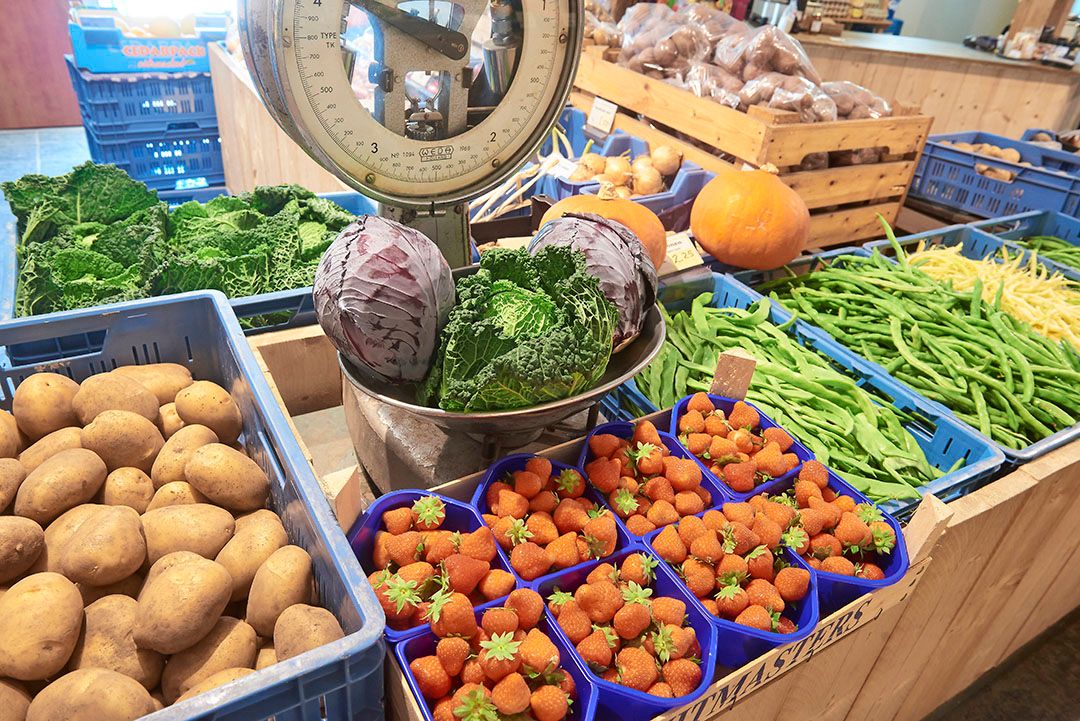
x=734 y=371
x=602 y=115
x=682 y=253
x=563 y=169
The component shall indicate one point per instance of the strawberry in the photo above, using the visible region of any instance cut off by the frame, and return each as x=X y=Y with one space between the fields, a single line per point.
x=542 y=528
x=513 y=504
x=796 y=539
x=529 y=560
x=883 y=538
x=778 y=436
x=707 y=548
x=631 y=620
x=713 y=519
x=544 y=502
x=846 y=504
x=540 y=466
x=528 y=605
x=473 y=673
x=659 y=489
x=692 y=422
x=647 y=459
x=645 y=432
x=595 y=650
x=464 y=573
x=743 y=440
x=504 y=529
x=603 y=445
x=443 y=710
x=661 y=689
x=668 y=610
x=499 y=656
x=538 y=653
x=380 y=556
x=768 y=530
x=815 y=472
x=637 y=669
x=852 y=532
x=813 y=562
x=574 y=622
x=838 y=565
x=869 y=571
x=755 y=617
x=638 y=568
x=639 y=525
x=526 y=484
x=569 y=484
x=601 y=535
x=740 y=476
x=480 y=544
x=829 y=512
x=804 y=491
x=431 y=678
x=624 y=502
x=428 y=513
x=739 y=513
x=419 y=573
x=584 y=550
x=758 y=503
x=549 y=703
x=472 y=701
x=566 y=685
x=764 y=594
x=662 y=513
x=451 y=614
x=770 y=461
x=406 y=547
x=780 y=513
x=792 y=583
x=710 y=606
x=684 y=474
x=738 y=539
x=687 y=503
x=611 y=675
x=700 y=402
x=812 y=521
x=731 y=600
x=699 y=577
x=696 y=443
x=743 y=416
x=563 y=551
x=600 y=600
x=557 y=600
x=492 y=495
x=452 y=654
x=604 y=473
x=397 y=596
x=785 y=625
x=759 y=562
x=499 y=621
x=732 y=569
x=496 y=584
x=683 y=675
x=690 y=528
x=824 y=545
x=438 y=545
x=511 y=695
x=603 y=572
x=569 y=516
x=669 y=546
x=716 y=424
x=397 y=520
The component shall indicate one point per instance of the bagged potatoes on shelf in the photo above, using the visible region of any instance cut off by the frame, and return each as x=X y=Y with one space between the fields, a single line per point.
x=854 y=101
x=658 y=44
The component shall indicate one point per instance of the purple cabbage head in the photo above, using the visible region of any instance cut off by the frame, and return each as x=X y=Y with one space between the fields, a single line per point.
x=614 y=255
x=382 y=293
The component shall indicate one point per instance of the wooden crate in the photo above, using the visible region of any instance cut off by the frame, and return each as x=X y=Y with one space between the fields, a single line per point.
x=844 y=202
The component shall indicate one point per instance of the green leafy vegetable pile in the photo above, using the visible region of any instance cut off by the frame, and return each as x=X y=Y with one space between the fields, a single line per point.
x=526 y=330
x=96 y=236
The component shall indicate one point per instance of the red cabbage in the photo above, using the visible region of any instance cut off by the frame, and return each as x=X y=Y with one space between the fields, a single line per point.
x=382 y=293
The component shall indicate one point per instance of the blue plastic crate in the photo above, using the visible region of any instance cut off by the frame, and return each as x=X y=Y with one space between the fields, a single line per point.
x=199 y=331
x=946 y=176
x=1025 y=225
x=143 y=102
x=99 y=45
x=175 y=160
x=943 y=438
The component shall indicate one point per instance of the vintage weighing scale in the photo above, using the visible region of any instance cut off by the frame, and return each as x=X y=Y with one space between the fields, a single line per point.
x=423 y=105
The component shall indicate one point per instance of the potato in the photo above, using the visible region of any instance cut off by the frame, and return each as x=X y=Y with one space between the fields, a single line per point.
x=283 y=580
x=91 y=694
x=158 y=699
x=257 y=536
x=210 y=405
x=228 y=478
x=180 y=605
x=168 y=420
x=59 y=533
x=106 y=550
x=218 y=679
x=106 y=642
x=113 y=392
x=176 y=494
x=40 y=618
x=43 y=403
x=130 y=586
x=164 y=380
x=14 y=700
x=301 y=628
x=230 y=644
x=62 y=482
x=266 y=657
x=49 y=446
x=166 y=562
x=174 y=455
x=199 y=528
x=21 y=542
x=10 y=442
x=12 y=474
x=129 y=487
x=123 y=438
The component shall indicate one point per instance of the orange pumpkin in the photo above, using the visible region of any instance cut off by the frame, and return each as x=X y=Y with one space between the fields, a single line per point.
x=641 y=221
x=750 y=219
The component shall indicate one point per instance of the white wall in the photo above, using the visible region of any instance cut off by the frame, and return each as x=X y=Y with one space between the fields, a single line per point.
x=954 y=19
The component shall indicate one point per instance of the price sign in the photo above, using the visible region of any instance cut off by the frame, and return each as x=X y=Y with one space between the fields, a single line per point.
x=563 y=169
x=681 y=252
x=602 y=115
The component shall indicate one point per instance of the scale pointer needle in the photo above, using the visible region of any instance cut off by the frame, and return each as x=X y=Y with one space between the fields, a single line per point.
x=450 y=43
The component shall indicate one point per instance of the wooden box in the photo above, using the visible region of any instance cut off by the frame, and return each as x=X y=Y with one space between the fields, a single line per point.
x=844 y=202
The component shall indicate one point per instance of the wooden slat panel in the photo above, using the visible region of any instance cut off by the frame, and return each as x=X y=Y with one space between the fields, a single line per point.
x=845 y=226
x=35 y=90
x=836 y=186
x=789 y=144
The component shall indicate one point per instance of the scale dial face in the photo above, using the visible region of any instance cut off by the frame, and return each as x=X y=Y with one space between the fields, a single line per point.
x=401 y=120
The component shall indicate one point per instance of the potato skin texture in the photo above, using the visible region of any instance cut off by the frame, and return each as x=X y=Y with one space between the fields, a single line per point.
x=21 y=543
x=10 y=440
x=43 y=403
x=40 y=617
x=210 y=405
x=122 y=438
x=164 y=380
x=218 y=679
x=12 y=474
x=267 y=656
x=301 y=628
x=228 y=477
x=283 y=580
x=199 y=527
x=49 y=446
x=58 y=533
x=106 y=642
x=106 y=550
x=113 y=392
x=129 y=587
x=91 y=694
x=66 y=480
x=178 y=493
x=231 y=643
x=169 y=421
x=257 y=536
x=180 y=606
x=129 y=487
x=174 y=455
x=14 y=700
x=165 y=563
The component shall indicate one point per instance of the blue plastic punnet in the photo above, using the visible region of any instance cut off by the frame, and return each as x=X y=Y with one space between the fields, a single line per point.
x=1015 y=228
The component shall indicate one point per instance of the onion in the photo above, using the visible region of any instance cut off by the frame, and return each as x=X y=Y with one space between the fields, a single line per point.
x=618 y=168
x=594 y=162
x=611 y=179
x=580 y=174
x=642 y=161
x=647 y=181
x=666 y=159
x=622 y=192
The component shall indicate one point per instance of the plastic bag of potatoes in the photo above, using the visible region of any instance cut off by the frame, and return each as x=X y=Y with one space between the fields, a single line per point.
x=789 y=92
x=854 y=101
x=715 y=83
x=658 y=44
x=598 y=32
x=716 y=24
x=765 y=50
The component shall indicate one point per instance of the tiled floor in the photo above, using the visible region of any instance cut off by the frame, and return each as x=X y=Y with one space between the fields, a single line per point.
x=49 y=151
